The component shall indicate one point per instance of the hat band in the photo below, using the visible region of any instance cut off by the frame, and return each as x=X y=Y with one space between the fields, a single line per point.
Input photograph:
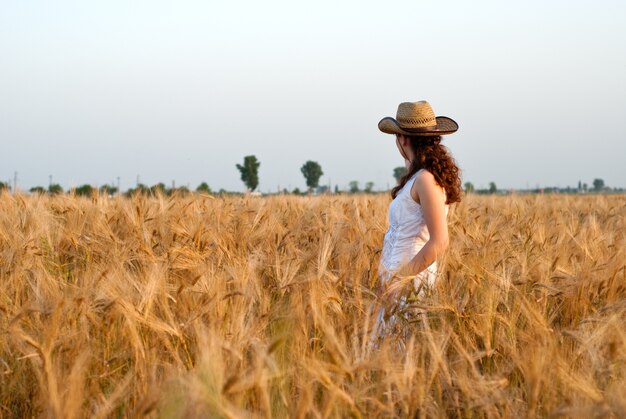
x=423 y=129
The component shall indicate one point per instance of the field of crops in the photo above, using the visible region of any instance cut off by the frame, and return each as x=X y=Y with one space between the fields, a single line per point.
x=258 y=307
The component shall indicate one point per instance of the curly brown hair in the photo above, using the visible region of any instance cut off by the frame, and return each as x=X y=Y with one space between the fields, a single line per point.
x=434 y=157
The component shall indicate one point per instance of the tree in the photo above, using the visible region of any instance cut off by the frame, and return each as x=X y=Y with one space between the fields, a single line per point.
x=108 y=189
x=37 y=189
x=4 y=186
x=312 y=171
x=141 y=189
x=469 y=187
x=159 y=189
x=250 y=172
x=492 y=187
x=204 y=188
x=84 y=190
x=55 y=189
x=398 y=172
x=179 y=191
x=369 y=186
x=354 y=186
x=598 y=185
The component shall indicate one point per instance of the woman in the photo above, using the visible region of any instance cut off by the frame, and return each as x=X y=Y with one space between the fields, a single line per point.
x=418 y=231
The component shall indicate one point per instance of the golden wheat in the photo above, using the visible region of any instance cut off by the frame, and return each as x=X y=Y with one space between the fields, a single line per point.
x=258 y=307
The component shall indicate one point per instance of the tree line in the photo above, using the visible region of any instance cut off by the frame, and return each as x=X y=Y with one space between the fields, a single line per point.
x=598 y=186
x=89 y=190
x=312 y=172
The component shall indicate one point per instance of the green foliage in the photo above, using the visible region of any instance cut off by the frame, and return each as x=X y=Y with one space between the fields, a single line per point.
x=84 y=190
x=159 y=189
x=4 y=187
x=398 y=172
x=312 y=172
x=250 y=172
x=469 y=187
x=140 y=189
x=204 y=188
x=369 y=187
x=55 y=189
x=180 y=191
x=108 y=189
x=354 y=186
x=492 y=187
x=598 y=185
x=37 y=189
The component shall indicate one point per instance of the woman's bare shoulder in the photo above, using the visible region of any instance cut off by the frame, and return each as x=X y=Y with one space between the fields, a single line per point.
x=424 y=173
x=424 y=180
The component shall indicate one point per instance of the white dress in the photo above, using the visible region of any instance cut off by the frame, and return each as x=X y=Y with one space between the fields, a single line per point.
x=406 y=235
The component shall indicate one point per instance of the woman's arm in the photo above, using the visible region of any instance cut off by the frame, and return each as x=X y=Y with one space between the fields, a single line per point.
x=432 y=201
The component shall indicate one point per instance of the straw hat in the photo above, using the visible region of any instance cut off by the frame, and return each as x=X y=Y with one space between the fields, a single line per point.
x=417 y=118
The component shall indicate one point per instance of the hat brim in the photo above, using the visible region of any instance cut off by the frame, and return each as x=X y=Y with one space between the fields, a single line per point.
x=444 y=126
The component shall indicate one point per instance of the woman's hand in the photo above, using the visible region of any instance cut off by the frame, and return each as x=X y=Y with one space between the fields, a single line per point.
x=392 y=290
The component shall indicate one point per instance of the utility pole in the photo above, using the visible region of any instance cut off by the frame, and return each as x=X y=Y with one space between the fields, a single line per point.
x=137 y=185
x=49 y=181
x=119 y=191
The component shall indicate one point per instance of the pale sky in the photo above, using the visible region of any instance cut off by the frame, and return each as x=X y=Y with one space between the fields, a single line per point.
x=183 y=90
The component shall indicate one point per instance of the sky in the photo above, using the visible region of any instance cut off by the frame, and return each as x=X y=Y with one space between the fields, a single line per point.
x=162 y=91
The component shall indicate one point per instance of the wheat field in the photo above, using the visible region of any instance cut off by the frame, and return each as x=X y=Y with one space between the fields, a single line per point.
x=233 y=307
